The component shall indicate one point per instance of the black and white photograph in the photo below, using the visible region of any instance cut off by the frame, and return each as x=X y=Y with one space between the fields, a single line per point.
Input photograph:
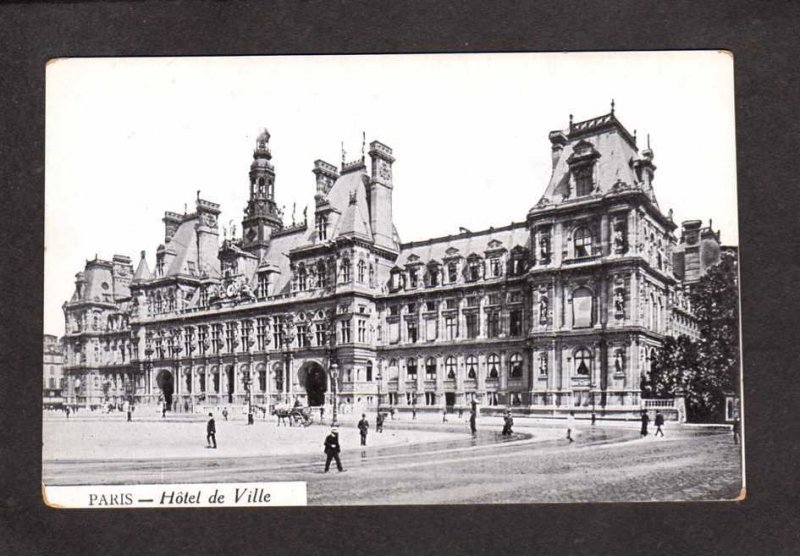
x=392 y=280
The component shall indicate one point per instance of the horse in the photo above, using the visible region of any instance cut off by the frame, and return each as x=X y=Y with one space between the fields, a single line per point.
x=294 y=415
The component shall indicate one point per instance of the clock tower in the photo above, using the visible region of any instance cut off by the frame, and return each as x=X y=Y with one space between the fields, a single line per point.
x=379 y=196
x=261 y=215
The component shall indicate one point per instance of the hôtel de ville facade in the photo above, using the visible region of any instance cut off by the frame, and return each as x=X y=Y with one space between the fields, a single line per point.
x=559 y=311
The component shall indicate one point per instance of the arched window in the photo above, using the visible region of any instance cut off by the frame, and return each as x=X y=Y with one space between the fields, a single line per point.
x=472 y=366
x=362 y=266
x=411 y=368
x=494 y=366
x=450 y=367
x=393 y=369
x=583 y=362
x=583 y=242
x=515 y=366
x=430 y=368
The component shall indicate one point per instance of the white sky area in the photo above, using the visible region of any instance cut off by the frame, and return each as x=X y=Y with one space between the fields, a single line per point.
x=130 y=138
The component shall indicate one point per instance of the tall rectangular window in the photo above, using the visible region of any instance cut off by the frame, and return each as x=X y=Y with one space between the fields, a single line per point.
x=247 y=330
x=515 y=322
x=496 y=267
x=412 y=331
x=431 y=329
x=159 y=348
x=261 y=333
x=493 y=324
x=188 y=342
x=302 y=335
x=216 y=338
x=320 y=333
x=230 y=336
x=451 y=327
x=394 y=332
x=277 y=332
x=472 y=325
x=413 y=277
x=202 y=338
x=362 y=331
x=345 y=328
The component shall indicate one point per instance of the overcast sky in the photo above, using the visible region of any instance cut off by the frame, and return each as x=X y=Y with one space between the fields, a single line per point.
x=130 y=138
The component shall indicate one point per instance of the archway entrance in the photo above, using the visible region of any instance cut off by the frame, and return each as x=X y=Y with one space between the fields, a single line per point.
x=313 y=376
x=166 y=382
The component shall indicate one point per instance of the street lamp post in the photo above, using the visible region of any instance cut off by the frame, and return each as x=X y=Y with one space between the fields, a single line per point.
x=379 y=377
x=248 y=381
x=334 y=382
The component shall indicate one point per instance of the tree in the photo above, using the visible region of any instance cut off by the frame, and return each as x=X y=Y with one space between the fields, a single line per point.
x=703 y=370
x=715 y=303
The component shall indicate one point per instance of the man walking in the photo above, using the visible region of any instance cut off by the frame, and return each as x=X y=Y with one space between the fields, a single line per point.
x=211 y=432
x=332 y=450
x=645 y=422
x=659 y=422
x=379 y=422
x=225 y=413
x=472 y=423
x=570 y=426
x=363 y=427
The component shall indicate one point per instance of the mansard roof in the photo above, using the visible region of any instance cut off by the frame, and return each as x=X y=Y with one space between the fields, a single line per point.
x=355 y=215
x=464 y=244
x=613 y=150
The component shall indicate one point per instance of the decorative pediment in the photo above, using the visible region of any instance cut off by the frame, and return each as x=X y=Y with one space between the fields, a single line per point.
x=413 y=259
x=495 y=245
x=452 y=252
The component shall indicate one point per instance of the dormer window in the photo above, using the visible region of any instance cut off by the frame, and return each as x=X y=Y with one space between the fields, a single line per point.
x=474 y=269
x=413 y=277
x=581 y=166
x=495 y=267
x=302 y=278
x=452 y=272
x=322 y=227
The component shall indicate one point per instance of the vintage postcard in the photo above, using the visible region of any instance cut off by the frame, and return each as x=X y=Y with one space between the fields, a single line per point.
x=405 y=279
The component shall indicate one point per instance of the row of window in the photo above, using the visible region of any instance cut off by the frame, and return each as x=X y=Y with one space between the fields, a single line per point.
x=515 y=367
x=496 y=324
x=476 y=268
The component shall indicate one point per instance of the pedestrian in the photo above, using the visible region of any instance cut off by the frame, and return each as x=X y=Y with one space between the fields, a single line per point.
x=570 y=426
x=225 y=413
x=472 y=423
x=392 y=413
x=414 y=413
x=594 y=418
x=129 y=409
x=735 y=429
x=508 y=422
x=645 y=422
x=332 y=450
x=444 y=415
x=659 y=422
x=164 y=410
x=66 y=409
x=363 y=427
x=211 y=432
x=379 y=422
x=460 y=412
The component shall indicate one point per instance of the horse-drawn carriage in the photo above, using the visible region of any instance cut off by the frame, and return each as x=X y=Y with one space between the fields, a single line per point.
x=293 y=415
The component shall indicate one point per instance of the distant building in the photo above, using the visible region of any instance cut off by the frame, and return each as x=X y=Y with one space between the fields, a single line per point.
x=53 y=363
x=562 y=310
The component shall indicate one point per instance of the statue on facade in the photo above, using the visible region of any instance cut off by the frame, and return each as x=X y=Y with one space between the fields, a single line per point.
x=619 y=237
x=543 y=309
x=544 y=248
x=542 y=363
x=619 y=302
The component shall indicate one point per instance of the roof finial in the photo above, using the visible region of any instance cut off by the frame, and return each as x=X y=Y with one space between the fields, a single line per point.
x=343 y=155
x=363 y=144
x=143 y=254
x=198 y=194
x=648 y=141
x=612 y=106
x=570 y=121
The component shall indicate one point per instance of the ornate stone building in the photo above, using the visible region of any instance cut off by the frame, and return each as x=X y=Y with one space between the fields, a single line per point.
x=562 y=310
x=53 y=374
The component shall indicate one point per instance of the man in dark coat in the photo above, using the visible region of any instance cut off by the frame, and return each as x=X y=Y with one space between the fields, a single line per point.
x=363 y=427
x=332 y=450
x=659 y=422
x=211 y=432
x=379 y=422
x=645 y=422
x=472 y=424
x=508 y=422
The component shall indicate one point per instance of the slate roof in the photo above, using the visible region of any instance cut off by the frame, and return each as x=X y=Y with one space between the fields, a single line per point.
x=465 y=244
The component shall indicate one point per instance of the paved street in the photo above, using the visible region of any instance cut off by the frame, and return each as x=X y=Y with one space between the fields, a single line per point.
x=422 y=462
